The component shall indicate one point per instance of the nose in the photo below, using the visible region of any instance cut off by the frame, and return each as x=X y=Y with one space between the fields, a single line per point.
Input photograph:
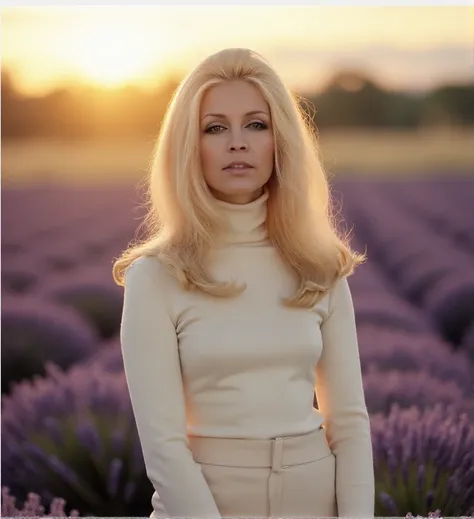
x=237 y=141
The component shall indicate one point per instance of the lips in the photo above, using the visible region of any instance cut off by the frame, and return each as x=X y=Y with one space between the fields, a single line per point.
x=238 y=165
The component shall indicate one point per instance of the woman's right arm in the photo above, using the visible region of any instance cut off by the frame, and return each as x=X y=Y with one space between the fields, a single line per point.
x=152 y=369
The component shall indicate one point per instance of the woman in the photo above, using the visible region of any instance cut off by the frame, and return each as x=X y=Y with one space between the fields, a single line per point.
x=237 y=308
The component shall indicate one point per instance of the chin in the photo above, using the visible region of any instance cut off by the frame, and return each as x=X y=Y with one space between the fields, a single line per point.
x=240 y=194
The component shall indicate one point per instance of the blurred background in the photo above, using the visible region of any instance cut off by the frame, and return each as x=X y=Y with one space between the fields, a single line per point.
x=83 y=92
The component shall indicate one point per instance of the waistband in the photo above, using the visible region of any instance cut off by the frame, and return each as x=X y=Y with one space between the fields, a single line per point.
x=279 y=452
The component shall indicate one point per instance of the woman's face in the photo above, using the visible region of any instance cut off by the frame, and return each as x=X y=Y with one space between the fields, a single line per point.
x=236 y=127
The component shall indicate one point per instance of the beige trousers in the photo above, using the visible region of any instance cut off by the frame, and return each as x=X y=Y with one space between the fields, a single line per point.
x=280 y=477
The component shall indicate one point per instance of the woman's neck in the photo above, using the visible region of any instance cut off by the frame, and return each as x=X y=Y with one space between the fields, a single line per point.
x=247 y=222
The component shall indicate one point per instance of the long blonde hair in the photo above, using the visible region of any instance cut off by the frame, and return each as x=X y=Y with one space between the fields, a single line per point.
x=182 y=223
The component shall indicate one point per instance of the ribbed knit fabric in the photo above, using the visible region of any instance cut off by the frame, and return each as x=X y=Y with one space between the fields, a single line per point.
x=244 y=367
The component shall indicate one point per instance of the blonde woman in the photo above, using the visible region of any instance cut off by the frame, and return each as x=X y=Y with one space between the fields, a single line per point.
x=237 y=308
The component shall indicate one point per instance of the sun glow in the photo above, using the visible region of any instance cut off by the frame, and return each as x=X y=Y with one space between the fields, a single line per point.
x=111 y=54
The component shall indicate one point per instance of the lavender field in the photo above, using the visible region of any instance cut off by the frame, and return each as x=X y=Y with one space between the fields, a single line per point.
x=68 y=433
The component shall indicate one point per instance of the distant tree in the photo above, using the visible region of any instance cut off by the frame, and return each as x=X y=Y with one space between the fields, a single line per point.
x=9 y=91
x=11 y=105
x=352 y=98
x=449 y=104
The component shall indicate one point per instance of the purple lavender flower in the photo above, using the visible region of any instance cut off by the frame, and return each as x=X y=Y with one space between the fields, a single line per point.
x=73 y=434
x=387 y=310
x=467 y=344
x=423 y=461
x=383 y=389
x=109 y=357
x=32 y=506
x=35 y=331
x=61 y=257
x=12 y=247
x=440 y=206
x=414 y=352
x=19 y=273
x=450 y=302
x=99 y=301
x=398 y=231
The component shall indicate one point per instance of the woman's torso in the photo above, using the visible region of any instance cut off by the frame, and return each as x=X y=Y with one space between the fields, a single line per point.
x=248 y=362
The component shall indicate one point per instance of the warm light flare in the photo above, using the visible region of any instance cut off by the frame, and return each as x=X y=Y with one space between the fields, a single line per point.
x=113 y=46
x=111 y=54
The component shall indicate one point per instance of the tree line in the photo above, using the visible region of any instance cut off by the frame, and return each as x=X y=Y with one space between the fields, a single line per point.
x=350 y=99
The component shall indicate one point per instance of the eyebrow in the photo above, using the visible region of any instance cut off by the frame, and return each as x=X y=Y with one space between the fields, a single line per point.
x=222 y=116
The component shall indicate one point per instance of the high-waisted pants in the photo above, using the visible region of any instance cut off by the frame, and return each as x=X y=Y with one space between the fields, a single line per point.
x=290 y=476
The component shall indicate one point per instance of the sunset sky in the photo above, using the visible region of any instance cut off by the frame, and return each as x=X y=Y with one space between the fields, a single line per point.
x=405 y=47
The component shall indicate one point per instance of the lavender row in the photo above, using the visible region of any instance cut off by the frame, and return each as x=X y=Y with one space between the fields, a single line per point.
x=93 y=215
x=429 y=271
x=32 y=507
x=34 y=332
x=48 y=211
x=90 y=291
x=420 y=378
x=448 y=214
x=67 y=321
x=421 y=269
x=72 y=434
x=414 y=366
x=27 y=211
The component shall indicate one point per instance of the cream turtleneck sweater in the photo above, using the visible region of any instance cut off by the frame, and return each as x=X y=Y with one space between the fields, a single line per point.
x=244 y=367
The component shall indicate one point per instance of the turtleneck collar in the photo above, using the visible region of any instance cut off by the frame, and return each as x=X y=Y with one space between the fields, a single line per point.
x=246 y=221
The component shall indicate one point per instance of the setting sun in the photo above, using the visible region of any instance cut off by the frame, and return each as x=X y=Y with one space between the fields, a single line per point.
x=114 y=46
x=110 y=54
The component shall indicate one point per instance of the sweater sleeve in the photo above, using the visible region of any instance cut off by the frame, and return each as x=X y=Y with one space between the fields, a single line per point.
x=341 y=400
x=152 y=369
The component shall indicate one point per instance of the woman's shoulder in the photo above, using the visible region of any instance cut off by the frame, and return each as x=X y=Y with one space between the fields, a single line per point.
x=147 y=265
x=145 y=262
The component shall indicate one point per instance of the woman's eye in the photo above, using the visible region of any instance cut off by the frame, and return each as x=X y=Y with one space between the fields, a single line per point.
x=259 y=125
x=212 y=128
